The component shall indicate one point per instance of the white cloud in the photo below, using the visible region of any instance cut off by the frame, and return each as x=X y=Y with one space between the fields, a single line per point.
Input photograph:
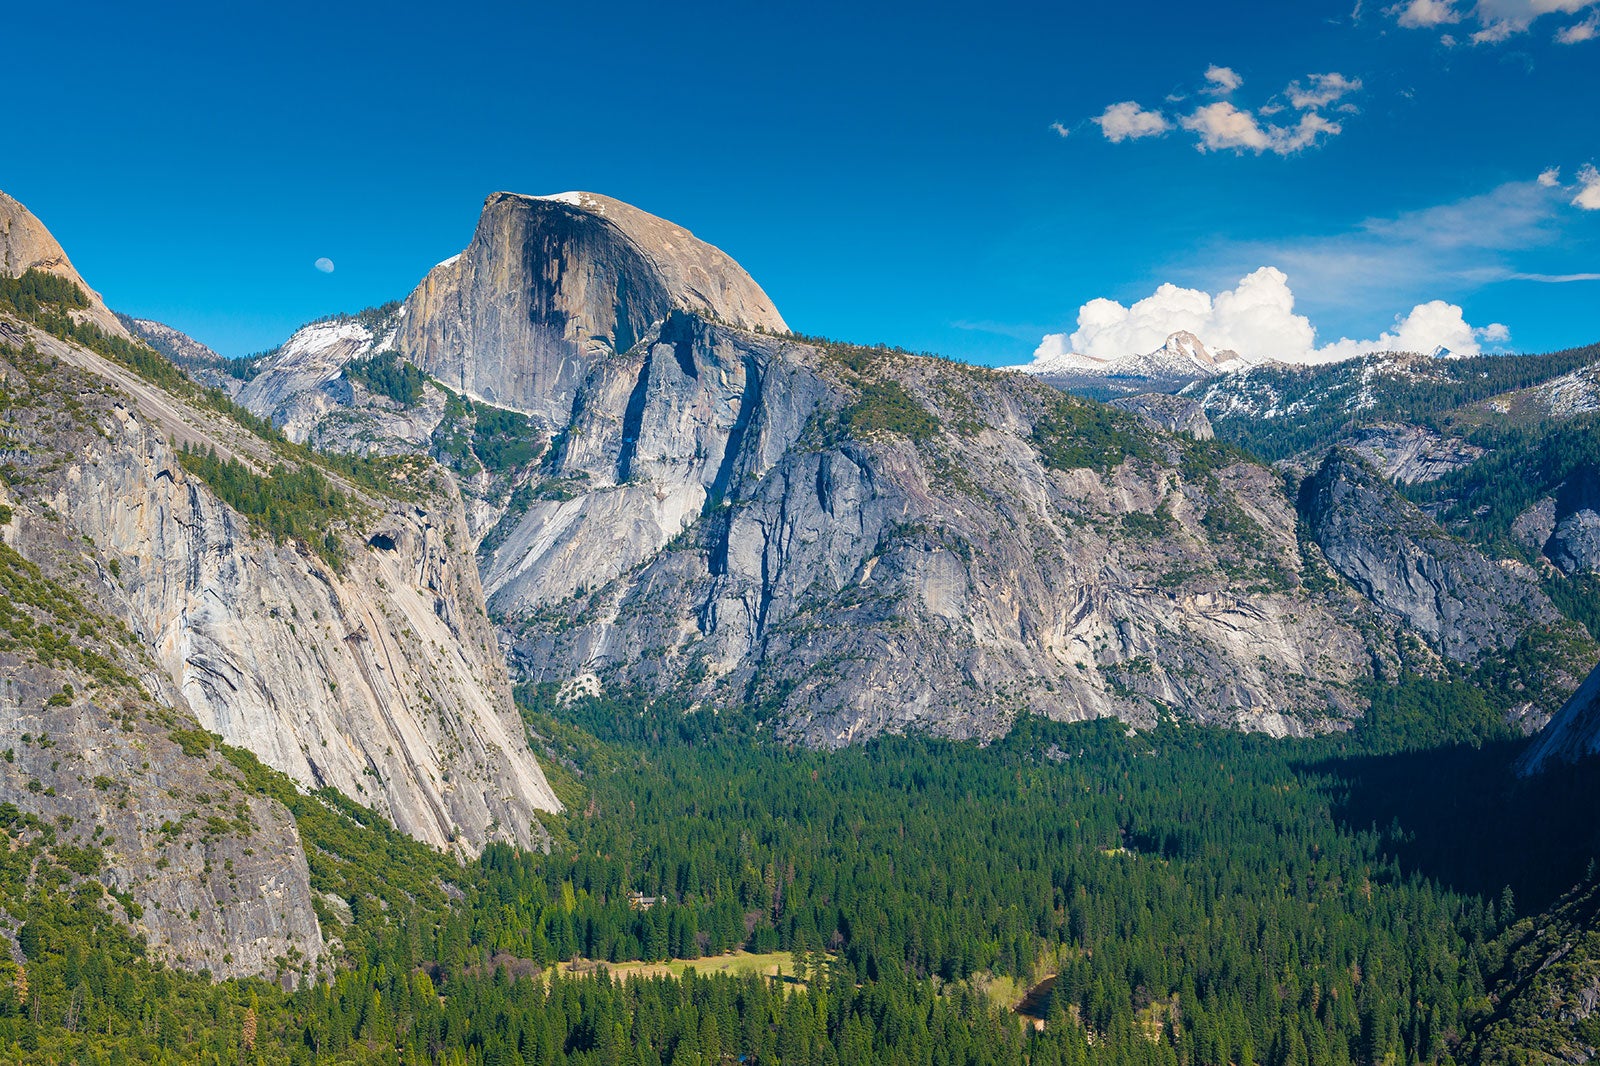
x=1423 y=14
x=1429 y=326
x=1579 y=32
x=1322 y=90
x=1224 y=80
x=1059 y=130
x=1502 y=19
x=1303 y=134
x=1588 y=197
x=324 y=264
x=1222 y=126
x=1128 y=121
x=1551 y=178
x=1499 y=20
x=1554 y=279
x=1257 y=319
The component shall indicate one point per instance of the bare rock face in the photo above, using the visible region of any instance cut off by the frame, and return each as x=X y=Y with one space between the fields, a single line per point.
x=551 y=284
x=1565 y=527
x=1575 y=542
x=25 y=243
x=1174 y=414
x=807 y=529
x=98 y=742
x=381 y=678
x=300 y=383
x=1533 y=527
x=859 y=541
x=231 y=896
x=1464 y=603
x=1573 y=732
x=363 y=661
x=1411 y=454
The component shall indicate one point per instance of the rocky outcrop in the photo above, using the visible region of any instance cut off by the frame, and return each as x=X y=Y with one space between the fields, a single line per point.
x=203 y=364
x=550 y=285
x=1173 y=414
x=1411 y=454
x=25 y=244
x=1565 y=527
x=1575 y=543
x=300 y=383
x=216 y=873
x=1464 y=603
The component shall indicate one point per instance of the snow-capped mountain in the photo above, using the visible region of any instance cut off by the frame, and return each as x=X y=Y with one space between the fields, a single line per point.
x=1183 y=359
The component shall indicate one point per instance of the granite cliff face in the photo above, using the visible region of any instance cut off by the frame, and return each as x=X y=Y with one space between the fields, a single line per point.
x=379 y=677
x=95 y=732
x=551 y=284
x=231 y=896
x=857 y=540
x=348 y=648
x=1572 y=734
x=1399 y=558
x=1411 y=454
x=864 y=541
x=1174 y=414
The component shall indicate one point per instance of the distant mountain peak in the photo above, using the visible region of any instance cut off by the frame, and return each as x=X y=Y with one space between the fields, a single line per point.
x=551 y=284
x=1183 y=356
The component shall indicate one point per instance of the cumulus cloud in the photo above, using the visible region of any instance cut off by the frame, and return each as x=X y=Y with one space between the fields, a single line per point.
x=1429 y=327
x=1060 y=130
x=1321 y=90
x=1423 y=14
x=324 y=264
x=1223 y=80
x=1128 y=121
x=1255 y=319
x=1551 y=178
x=1588 y=197
x=1499 y=20
x=1221 y=126
x=1258 y=320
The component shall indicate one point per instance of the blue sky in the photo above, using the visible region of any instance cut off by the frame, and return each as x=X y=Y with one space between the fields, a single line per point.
x=886 y=172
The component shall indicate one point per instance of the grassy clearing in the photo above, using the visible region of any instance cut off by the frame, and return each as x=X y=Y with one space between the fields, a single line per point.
x=738 y=963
